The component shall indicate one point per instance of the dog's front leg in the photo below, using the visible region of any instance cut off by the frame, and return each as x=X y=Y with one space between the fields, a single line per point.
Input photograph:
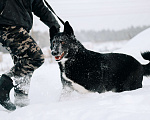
x=66 y=93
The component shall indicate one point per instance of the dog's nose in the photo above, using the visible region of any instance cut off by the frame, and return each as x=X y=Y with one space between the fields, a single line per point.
x=54 y=53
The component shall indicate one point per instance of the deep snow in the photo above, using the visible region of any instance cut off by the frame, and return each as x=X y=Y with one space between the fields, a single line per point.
x=46 y=88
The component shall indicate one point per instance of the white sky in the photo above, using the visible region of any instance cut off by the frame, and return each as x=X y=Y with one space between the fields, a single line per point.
x=101 y=14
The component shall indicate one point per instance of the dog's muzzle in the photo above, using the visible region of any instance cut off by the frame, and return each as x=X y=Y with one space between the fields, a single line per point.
x=58 y=57
x=54 y=53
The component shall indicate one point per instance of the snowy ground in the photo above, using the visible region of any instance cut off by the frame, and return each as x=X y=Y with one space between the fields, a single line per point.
x=46 y=88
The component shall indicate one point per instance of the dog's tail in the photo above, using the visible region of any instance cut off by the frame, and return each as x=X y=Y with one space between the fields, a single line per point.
x=146 y=56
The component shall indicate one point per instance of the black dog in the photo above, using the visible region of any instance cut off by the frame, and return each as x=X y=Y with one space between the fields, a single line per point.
x=84 y=70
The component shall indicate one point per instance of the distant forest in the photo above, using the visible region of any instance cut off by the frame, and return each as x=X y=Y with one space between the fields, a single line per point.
x=90 y=36
x=109 y=35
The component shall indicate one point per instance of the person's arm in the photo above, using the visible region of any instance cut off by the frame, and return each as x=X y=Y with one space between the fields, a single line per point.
x=46 y=16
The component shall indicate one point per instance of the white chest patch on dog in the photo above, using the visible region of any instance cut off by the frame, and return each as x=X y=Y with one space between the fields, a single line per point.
x=63 y=61
x=76 y=86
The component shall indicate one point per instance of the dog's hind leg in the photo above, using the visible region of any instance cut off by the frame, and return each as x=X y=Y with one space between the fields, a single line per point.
x=136 y=78
x=133 y=81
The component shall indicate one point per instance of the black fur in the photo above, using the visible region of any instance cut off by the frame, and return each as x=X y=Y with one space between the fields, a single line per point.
x=94 y=71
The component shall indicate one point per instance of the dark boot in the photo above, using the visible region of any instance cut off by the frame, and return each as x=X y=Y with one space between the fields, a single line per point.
x=6 y=84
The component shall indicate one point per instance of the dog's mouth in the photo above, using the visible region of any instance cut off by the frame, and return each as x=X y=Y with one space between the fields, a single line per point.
x=58 y=58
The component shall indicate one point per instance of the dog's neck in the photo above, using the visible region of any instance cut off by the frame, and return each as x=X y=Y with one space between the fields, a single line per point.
x=62 y=64
x=76 y=48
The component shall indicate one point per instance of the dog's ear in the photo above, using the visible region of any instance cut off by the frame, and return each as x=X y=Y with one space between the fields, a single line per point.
x=68 y=29
x=53 y=31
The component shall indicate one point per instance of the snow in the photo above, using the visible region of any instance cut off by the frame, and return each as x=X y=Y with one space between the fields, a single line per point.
x=46 y=89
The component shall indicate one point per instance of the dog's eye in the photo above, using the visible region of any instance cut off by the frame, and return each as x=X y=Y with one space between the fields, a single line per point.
x=53 y=43
x=62 y=42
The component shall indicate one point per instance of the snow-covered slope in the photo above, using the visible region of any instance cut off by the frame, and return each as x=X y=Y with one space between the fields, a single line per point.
x=46 y=88
x=140 y=43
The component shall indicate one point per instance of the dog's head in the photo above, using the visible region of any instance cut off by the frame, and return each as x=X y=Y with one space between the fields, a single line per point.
x=63 y=42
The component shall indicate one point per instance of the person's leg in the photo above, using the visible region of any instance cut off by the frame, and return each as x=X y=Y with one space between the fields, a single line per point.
x=6 y=84
x=21 y=89
x=26 y=54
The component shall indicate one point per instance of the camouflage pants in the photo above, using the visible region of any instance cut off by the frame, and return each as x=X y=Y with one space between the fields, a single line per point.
x=25 y=52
